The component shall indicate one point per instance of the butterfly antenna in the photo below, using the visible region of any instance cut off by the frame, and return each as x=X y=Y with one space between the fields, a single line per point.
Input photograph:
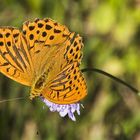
x=112 y=77
x=12 y=99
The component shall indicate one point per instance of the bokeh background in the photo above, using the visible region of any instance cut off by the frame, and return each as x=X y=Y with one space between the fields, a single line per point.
x=111 y=35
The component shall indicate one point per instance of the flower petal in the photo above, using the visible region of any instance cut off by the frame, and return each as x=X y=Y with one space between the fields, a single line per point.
x=78 y=109
x=71 y=116
x=63 y=113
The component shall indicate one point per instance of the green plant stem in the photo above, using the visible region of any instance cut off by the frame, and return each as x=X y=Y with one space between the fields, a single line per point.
x=112 y=77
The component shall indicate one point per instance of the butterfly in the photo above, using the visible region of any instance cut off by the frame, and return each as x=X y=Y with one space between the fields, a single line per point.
x=46 y=56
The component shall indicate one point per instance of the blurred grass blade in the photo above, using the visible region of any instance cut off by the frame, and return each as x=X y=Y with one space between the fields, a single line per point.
x=12 y=99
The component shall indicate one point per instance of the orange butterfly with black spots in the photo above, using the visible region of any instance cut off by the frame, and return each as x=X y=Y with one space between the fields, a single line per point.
x=46 y=56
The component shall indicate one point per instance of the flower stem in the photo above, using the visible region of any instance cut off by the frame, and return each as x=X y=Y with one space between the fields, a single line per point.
x=112 y=77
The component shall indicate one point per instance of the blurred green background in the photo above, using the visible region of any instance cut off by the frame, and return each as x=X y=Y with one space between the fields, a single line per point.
x=111 y=35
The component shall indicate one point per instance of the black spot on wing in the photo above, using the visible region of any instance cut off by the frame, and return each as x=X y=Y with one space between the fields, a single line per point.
x=1 y=43
x=40 y=25
x=8 y=43
x=31 y=28
x=16 y=35
x=48 y=27
x=57 y=31
x=31 y=36
x=44 y=34
x=7 y=34
x=51 y=37
x=1 y=36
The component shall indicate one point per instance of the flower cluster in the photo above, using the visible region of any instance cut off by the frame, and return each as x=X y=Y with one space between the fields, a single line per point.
x=63 y=109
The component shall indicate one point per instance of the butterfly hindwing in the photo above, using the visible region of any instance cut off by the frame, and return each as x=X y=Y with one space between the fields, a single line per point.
x=68 y=87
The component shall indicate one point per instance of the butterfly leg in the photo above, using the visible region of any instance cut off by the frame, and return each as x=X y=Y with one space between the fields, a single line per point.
x=32 y=95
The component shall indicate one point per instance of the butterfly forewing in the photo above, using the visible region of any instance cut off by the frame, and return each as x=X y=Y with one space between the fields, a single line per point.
x=12 y=60
x=44 y=38
x=24 y=54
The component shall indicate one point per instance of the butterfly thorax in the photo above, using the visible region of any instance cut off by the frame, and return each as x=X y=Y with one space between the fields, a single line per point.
x=38 y=85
